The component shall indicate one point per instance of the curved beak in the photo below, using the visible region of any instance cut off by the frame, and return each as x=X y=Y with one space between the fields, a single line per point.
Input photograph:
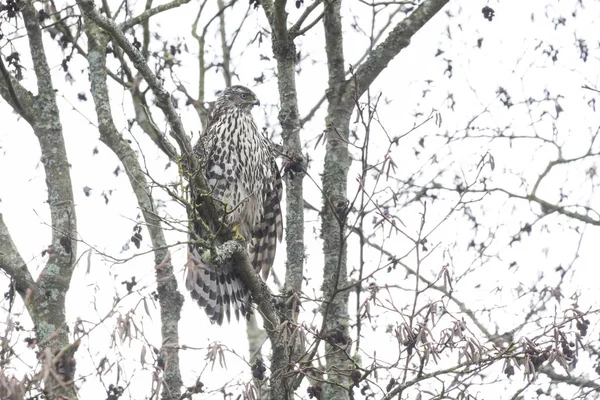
x=256 y=102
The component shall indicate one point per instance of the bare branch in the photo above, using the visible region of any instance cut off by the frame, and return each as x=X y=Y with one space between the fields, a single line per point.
x=163 y=97
x=12 y=262
x=15 y=94
x=296 y=29
x=571 y=380
x=143 y=117
x=170 y=300
x=130 y=23
x=398 y=39
x=48 y=129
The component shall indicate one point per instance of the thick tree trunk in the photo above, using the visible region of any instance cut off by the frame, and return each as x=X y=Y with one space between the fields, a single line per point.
x=45 y=298
x=335 y=173
x=284 y=51
x=169 y=298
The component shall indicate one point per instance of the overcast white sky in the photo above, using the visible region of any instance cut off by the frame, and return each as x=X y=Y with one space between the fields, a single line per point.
x=507 y=58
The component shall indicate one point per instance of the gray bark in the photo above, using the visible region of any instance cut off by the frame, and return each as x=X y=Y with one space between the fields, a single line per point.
x=342 y=95
x=42 y=113
x=284 y=51
x=163 y=97
x=170 y=300
x=335 y=173
x=229 y=249
x=45 y=298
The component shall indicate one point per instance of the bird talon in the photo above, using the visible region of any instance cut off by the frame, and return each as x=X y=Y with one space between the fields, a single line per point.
x=236 y=233
x=225 y=204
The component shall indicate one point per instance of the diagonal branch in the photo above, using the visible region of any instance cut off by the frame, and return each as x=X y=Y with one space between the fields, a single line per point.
x=169 y=298
x=398 y=39
x=143 y=117
x=163 y=97
x=571 y=380
x=19 y=98
x=263 y=297
x=130 y=23
x=47 y=307
x=261 y=294
x=12 y=263
x=296 y=29
x=48 y=129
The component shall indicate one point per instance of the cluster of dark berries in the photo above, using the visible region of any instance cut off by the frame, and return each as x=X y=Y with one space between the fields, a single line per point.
x=336 y=338
x=136 y=238
x=315 y=392
x=538 y=359
x=10 y=7
x=488 y=13
x=390 y=385
x=356 y=375
x=13 y=58
x=366 y=391
x=293 y=166
x=114 y=392
x=136 y=43
x=42 y=15
x=582 y=326
x=567 y=348
x=258 y=370
x=509 y=370
x=31 y=342
x=129 y=284
x=197 y=388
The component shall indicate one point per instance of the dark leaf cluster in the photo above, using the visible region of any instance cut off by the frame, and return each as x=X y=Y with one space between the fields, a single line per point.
x=10 y=8
x=258 y=370
x=315 y=392
x=488 y=13
x=129 y=285
x=114 y=392
x=255 y=3
x=136 y=238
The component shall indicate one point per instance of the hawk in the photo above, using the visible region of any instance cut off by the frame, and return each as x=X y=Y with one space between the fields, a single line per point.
x=241 y=171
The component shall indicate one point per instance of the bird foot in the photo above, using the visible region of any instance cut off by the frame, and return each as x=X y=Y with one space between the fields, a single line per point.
x=236 y=233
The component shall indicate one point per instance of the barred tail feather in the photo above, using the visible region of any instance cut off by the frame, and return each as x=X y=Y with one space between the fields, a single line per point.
x=265 y=238
x=216 y=288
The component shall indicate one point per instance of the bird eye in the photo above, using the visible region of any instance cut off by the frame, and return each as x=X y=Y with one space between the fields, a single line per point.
x=244 y=95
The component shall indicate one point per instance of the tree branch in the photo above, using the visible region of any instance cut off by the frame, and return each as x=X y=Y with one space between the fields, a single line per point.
x=143 y=117
x=334 y=184
x=170 y=300
x=296 y=29
x=130 y=23
x=163 y=97
x=47 y=308
x=398 y=39
x=48 y=129
x=236 y=251
x=571 y=380
x=12 y=262
x=19 y=98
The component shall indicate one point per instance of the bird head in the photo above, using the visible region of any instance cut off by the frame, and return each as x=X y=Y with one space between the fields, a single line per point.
x=241 y=97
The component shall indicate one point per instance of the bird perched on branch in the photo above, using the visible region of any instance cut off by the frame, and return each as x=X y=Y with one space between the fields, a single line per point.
x=241 y=171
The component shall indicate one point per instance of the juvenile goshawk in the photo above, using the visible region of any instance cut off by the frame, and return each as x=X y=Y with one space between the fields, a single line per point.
x=243 y=175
